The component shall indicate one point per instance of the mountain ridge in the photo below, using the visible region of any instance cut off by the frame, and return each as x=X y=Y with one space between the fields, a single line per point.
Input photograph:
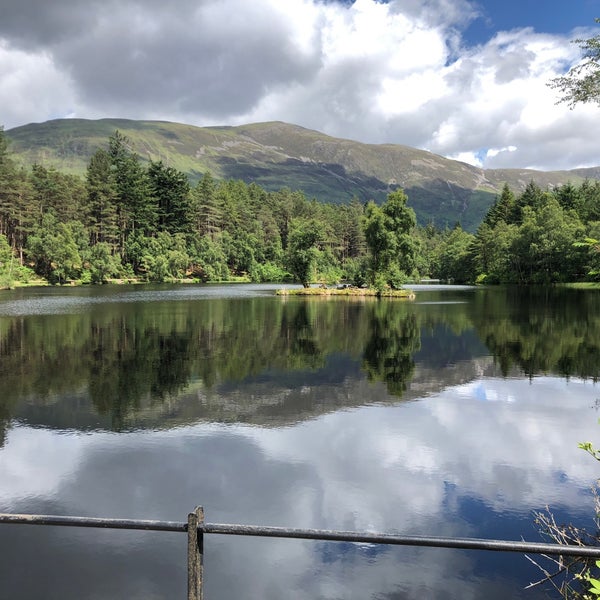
x=275 y=154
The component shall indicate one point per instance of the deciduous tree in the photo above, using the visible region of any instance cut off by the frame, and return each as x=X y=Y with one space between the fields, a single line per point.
x=302 y=253
x=582 y=82
x=389 y=240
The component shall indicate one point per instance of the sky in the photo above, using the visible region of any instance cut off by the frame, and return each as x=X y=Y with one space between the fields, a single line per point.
x=466 y=79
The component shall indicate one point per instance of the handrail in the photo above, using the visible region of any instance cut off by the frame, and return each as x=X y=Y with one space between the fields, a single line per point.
x=196 y=528
x=67 y=521
x=368 y=537
x=365 y=537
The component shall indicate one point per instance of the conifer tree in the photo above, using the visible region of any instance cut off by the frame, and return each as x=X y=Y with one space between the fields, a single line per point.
x=171 y=189
x=101 y=200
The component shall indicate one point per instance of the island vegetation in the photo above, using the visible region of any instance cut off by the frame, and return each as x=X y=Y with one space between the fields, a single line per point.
x=128 y=221
x=348 y=292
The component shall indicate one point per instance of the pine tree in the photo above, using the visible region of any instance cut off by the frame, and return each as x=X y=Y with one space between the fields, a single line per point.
x=18 y=212
x=208 y=215
x=136 y=207
x=503 y=208
x=57 y=192
x=171 y=189
x=101 y=201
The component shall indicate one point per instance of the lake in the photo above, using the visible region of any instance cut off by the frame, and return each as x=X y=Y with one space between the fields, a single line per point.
x=457 y=414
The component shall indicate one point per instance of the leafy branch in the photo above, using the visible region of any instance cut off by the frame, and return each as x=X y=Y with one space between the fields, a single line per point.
x=582 y=82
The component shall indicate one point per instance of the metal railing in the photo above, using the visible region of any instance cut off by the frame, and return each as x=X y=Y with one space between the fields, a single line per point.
x=196 y=528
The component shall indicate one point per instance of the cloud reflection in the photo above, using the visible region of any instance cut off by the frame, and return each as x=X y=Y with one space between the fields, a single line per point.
x=450 y=464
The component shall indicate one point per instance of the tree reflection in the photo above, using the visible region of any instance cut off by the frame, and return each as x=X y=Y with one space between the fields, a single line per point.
x=394 y=338
x=110 y=366
x=542 y=330
x=132 y=358
x=127 y=366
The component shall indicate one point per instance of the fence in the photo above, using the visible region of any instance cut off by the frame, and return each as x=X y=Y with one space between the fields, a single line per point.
x=196 y=528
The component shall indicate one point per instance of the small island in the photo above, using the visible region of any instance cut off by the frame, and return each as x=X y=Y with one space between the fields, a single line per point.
x=348 y=291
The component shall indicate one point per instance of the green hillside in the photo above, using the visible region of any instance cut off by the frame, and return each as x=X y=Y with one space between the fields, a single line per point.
x=277 y=155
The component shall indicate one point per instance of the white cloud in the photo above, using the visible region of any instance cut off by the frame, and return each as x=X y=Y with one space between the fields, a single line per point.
x=493 y=152
x=471 y=158
x=32 y=88
x=378 y=72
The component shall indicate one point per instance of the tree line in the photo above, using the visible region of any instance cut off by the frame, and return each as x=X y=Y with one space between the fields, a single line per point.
x=535 y=237
x=130 y=220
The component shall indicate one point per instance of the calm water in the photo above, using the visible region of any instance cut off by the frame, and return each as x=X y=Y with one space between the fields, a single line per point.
x=458 y=414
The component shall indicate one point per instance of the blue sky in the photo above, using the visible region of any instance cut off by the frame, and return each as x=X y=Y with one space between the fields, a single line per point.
x=551 y=16
x=467 y=79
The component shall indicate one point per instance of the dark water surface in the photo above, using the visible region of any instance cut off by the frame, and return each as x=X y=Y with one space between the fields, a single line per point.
x=457 y=414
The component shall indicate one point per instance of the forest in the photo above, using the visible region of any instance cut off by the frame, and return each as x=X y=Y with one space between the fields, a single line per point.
x=136 y=221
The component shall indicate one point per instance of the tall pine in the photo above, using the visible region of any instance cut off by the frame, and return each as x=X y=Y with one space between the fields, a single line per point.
x=102 y=218
x=171 y=190
x=136 y=206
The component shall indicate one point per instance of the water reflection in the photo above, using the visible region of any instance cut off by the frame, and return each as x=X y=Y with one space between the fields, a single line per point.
x=143 y=410
x=542 y=330
x=120 y=365
x=447 y=465
x=134 y=358
x=388 y=353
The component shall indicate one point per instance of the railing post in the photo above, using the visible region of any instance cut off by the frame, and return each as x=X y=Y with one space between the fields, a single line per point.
x=195 y=554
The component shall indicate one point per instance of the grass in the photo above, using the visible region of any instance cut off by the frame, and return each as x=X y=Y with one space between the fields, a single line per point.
x=5 y=285
x=583 y=285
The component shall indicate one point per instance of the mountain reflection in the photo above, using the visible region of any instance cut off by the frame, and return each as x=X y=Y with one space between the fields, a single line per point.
x=261 y=359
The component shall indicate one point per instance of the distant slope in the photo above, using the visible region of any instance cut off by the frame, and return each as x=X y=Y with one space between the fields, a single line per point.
x=276 y=155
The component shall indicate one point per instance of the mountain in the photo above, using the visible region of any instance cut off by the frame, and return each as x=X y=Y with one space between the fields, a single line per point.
x=277 y=155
